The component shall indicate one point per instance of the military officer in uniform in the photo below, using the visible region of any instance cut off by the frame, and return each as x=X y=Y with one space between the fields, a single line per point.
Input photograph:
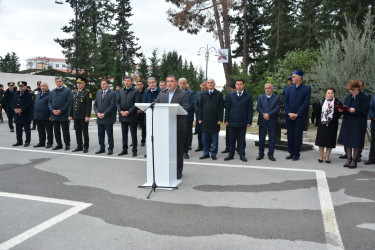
x=21 y=105
x=7 y=104
x=80 y=112
x=1 y=102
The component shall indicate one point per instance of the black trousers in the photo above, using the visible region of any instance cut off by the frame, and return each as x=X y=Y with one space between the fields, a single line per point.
x=227 y=138
x=180 y=146
x=188 y=135
x=102 y=129
x=65 y=130
x=237 y=134
x=371 y=155
x=198 y=130
x=82 y=128
x=45 y=127
x=142 y=125
x=19 y=128
x=10 y=115
x=125 y=126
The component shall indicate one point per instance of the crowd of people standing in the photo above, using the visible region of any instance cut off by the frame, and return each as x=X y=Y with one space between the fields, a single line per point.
x=52 y=112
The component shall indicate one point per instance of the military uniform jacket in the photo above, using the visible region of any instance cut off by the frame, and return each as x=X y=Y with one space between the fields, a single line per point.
x=81 y=104
x=60 y=99
x=126 y=100
x=7 y=100
x=25 y=103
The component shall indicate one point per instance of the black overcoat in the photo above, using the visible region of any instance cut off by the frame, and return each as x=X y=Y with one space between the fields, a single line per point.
x=211 y=109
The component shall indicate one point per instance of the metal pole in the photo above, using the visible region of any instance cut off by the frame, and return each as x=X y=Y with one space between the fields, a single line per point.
x=76 y=40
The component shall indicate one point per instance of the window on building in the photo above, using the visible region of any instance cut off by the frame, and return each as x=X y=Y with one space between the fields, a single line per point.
x=63 y=66
x=57 y=66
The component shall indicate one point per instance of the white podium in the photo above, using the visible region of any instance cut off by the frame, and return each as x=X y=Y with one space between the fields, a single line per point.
x=165 y=143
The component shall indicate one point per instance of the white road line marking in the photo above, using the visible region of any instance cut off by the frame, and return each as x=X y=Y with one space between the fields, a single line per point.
x=77 y=207
x=331 y=229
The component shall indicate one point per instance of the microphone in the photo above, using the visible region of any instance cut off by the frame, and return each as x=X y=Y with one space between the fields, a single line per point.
x=164 y=90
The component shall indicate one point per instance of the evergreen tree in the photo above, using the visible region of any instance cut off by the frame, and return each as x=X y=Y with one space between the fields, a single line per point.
x=125 y=40
x=143 y=71
x=281 y=17
x=155 y=65
x=10 y=63
x=350 y=55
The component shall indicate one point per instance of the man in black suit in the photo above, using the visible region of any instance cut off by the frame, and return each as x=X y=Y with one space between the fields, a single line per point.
x=128 y=96
x=105 y=110
x=21 y=105
x=210 y=116
x=176 y=95
x=238 y=116
x=268 y=106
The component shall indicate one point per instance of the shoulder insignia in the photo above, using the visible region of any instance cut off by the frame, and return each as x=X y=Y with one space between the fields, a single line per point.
x=90 y=95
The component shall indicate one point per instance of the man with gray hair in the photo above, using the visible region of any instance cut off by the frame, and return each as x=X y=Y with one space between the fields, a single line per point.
x=268 y=106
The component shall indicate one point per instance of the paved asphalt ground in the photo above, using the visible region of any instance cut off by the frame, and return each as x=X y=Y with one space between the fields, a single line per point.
x=65 y=200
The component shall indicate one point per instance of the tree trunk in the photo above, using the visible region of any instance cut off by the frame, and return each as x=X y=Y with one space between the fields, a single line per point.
x=244 y=43
x=277 y=37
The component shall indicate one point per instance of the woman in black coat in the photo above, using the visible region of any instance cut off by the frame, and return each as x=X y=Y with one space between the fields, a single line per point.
x=354 y=123
x=327 y=117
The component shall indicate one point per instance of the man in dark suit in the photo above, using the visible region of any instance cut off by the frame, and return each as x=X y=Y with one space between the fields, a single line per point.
x=238 y=116
x=80 y=111
x=105 y=110
x=59 y=103
x=21 y=105
x=128 y=96
x=141 y=116
x=188 y=134
x=176 y=95
x=268 y=106
x=198 y=129
x=232 y=86
x=1 y=102
x=42 y=116
x=296 y=103
x=210 y=116
x=7 y=104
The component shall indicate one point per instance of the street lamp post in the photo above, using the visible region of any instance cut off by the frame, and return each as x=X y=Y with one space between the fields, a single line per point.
x=76 y=31
x=206 y=52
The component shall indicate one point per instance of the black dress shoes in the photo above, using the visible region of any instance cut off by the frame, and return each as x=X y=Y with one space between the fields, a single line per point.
x=199 y=149
x=85 y=150
x=320 y=161
x=110 y=152
x=100 y=151
x=77 y=149
x=17 y=144
x=57 y=147
x=179 y=175
x=260 y=157
x=229 y=157
x=243 y=158
x=49 y=145
x=12 y=130
x=289 y=157
x=295 y=158
x=67 y=147
x=213 y=157
x=186 y=156
x=369 y=162
x=39 y=145
x=123 y=152
x=204 y=157
x=271 y=158
x=142 y=144
x=134 y=154
x=225 y=151
x=26 y=144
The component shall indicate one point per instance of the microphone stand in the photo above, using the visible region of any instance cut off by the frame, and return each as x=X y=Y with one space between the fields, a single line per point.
x=154 y=186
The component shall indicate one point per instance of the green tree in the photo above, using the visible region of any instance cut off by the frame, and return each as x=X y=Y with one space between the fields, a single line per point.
x=155 y=65
x=143 y=71
x=9 y=63
x=347 y=56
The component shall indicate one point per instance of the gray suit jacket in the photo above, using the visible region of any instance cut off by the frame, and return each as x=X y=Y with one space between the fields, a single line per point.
x=181 y=97
x=106 y=106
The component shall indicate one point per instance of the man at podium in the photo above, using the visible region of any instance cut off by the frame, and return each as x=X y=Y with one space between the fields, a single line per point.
x=176 y=95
